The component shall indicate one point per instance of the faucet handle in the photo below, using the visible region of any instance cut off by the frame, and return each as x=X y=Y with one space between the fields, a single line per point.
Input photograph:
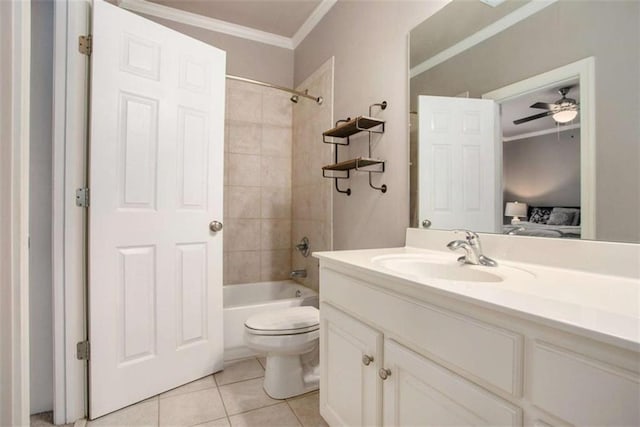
x=470 y=235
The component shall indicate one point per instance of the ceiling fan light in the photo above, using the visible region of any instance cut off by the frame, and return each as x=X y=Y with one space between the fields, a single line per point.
x=565 y=116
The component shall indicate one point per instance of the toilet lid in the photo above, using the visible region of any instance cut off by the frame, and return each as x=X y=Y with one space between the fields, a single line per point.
x=288 y=321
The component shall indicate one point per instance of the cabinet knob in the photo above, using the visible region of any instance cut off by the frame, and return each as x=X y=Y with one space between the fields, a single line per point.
x=366 y=359
x=384 y=373
x=426 y=223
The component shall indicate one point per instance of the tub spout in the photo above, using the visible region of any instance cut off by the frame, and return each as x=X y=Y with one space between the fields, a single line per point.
x=298 y=274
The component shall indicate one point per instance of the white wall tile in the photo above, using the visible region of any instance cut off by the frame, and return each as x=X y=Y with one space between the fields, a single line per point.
x=276 y=234
x=243 y=202
x=242 y=267
x=276 y=202
x=244 y=170
x=276 y=171
x=276 y=141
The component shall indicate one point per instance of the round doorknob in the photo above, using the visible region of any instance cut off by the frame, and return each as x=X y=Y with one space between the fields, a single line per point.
x=366 y=359
x=426 y=223
x=384 y=373
x=215 y=226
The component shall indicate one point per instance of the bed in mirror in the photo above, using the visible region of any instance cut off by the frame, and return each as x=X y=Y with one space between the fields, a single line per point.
x=525 y=119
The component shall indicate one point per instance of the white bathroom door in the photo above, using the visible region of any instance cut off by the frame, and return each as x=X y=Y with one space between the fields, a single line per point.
x=156 y=181
x=460 y=158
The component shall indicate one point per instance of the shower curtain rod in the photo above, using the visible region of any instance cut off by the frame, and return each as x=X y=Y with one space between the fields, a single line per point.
x=296 y=93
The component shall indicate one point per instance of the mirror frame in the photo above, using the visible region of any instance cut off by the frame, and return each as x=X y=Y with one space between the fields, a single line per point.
x=584 y=70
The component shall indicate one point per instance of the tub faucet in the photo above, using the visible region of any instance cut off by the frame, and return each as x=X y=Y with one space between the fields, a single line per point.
x=472 y=250
x=298 y=274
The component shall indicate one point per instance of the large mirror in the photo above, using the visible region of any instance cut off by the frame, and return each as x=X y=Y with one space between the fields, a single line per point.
x=525 y=118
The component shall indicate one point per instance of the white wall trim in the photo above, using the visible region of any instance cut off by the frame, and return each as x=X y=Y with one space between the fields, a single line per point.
x=15 y=81
x=541 y=132
x=211 y=24
x=584 y=70
x=70 y=97
x=316 y=16
x=224 y=27
x=491 y=30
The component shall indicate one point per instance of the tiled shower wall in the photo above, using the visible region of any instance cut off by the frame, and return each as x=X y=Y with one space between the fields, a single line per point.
x=257 y=184
x=312 y=208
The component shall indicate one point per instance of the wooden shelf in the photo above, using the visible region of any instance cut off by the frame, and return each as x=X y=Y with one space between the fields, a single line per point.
x=357 y=163
x=353 y=126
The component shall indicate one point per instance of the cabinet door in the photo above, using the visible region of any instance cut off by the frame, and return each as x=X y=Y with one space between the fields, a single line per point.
x=350 y=390
x=419 y=392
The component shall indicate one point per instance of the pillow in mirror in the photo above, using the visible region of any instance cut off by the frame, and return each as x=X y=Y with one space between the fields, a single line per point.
x=540 y=215
x=561 y=217
x=574 y=211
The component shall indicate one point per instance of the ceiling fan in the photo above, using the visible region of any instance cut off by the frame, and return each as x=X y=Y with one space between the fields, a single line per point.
x=563 y=110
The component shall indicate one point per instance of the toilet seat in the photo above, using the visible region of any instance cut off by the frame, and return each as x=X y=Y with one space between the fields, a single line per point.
x=288 y=321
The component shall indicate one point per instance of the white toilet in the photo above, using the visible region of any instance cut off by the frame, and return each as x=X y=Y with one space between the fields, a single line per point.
x=289 y=337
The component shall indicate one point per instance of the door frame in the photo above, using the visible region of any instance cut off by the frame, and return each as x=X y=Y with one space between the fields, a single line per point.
x=70 y=130
x=584 y=70
x=15 y=50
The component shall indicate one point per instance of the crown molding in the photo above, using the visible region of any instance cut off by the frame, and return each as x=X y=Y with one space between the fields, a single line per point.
x=541 y=132
x=316 y=16
x=224 y=27
x=211 y=24
x=489 y=31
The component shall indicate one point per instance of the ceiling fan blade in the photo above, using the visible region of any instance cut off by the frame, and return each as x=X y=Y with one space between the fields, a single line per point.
x=534 y=117
x=543 y=105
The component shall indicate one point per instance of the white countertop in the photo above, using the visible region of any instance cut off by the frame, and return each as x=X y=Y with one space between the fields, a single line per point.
x=603 y=307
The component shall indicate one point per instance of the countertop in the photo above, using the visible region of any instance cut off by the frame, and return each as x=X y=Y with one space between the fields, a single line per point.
x=599 y=306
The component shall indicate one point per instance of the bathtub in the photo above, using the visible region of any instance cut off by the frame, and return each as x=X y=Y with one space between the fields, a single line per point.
x=242 y=301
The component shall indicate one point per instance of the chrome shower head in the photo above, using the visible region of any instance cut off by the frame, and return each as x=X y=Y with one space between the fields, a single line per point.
x=294 y=99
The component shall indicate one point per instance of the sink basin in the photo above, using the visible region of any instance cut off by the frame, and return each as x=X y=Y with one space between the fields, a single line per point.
x=424 y=267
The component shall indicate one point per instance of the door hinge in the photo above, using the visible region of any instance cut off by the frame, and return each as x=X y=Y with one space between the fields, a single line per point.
x=83 y=350
x=85 y=45
x=82 y=197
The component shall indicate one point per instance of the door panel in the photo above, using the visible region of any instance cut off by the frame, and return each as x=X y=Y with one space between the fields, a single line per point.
x=350 y=391
x=421 y=393
x=156 y=179
x=459 y=157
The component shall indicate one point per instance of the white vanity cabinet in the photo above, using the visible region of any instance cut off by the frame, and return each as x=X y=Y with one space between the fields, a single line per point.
x=394 y=355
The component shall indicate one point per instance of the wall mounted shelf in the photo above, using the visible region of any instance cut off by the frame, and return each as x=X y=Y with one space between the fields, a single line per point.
x=352 y=127
x=340 y=135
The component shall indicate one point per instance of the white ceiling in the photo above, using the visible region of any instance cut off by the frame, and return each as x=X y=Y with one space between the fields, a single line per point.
x=281 y=17
x=519 y=108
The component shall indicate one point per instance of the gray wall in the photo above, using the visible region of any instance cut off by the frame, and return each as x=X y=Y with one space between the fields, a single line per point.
x=40 y=279
x=245 y=58
x=566 y=32
x=543 y=170
x=369 y=42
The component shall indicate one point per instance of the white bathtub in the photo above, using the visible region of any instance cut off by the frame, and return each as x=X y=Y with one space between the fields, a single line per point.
x=242 y=301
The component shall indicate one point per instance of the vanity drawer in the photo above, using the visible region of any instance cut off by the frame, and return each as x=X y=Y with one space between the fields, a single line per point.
x=486 y=352
x=582 y=390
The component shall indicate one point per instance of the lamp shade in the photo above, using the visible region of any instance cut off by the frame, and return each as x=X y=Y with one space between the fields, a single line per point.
x=515 y=209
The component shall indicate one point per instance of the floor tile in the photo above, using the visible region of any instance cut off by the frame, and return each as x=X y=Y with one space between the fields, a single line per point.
x=240 y=370
x=201 y=384
x=222 y=422
x=245 y=396
x=307 y=409
x=191 y=408
x=141 y=414
x=273 y=416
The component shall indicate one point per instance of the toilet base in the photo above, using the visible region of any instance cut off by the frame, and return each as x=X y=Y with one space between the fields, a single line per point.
x=291 y=375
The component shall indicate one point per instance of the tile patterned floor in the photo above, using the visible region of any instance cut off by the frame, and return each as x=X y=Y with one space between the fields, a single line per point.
x=233 y=397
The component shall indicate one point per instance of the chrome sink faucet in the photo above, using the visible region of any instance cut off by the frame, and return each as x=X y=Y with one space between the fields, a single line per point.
x=472 y=250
